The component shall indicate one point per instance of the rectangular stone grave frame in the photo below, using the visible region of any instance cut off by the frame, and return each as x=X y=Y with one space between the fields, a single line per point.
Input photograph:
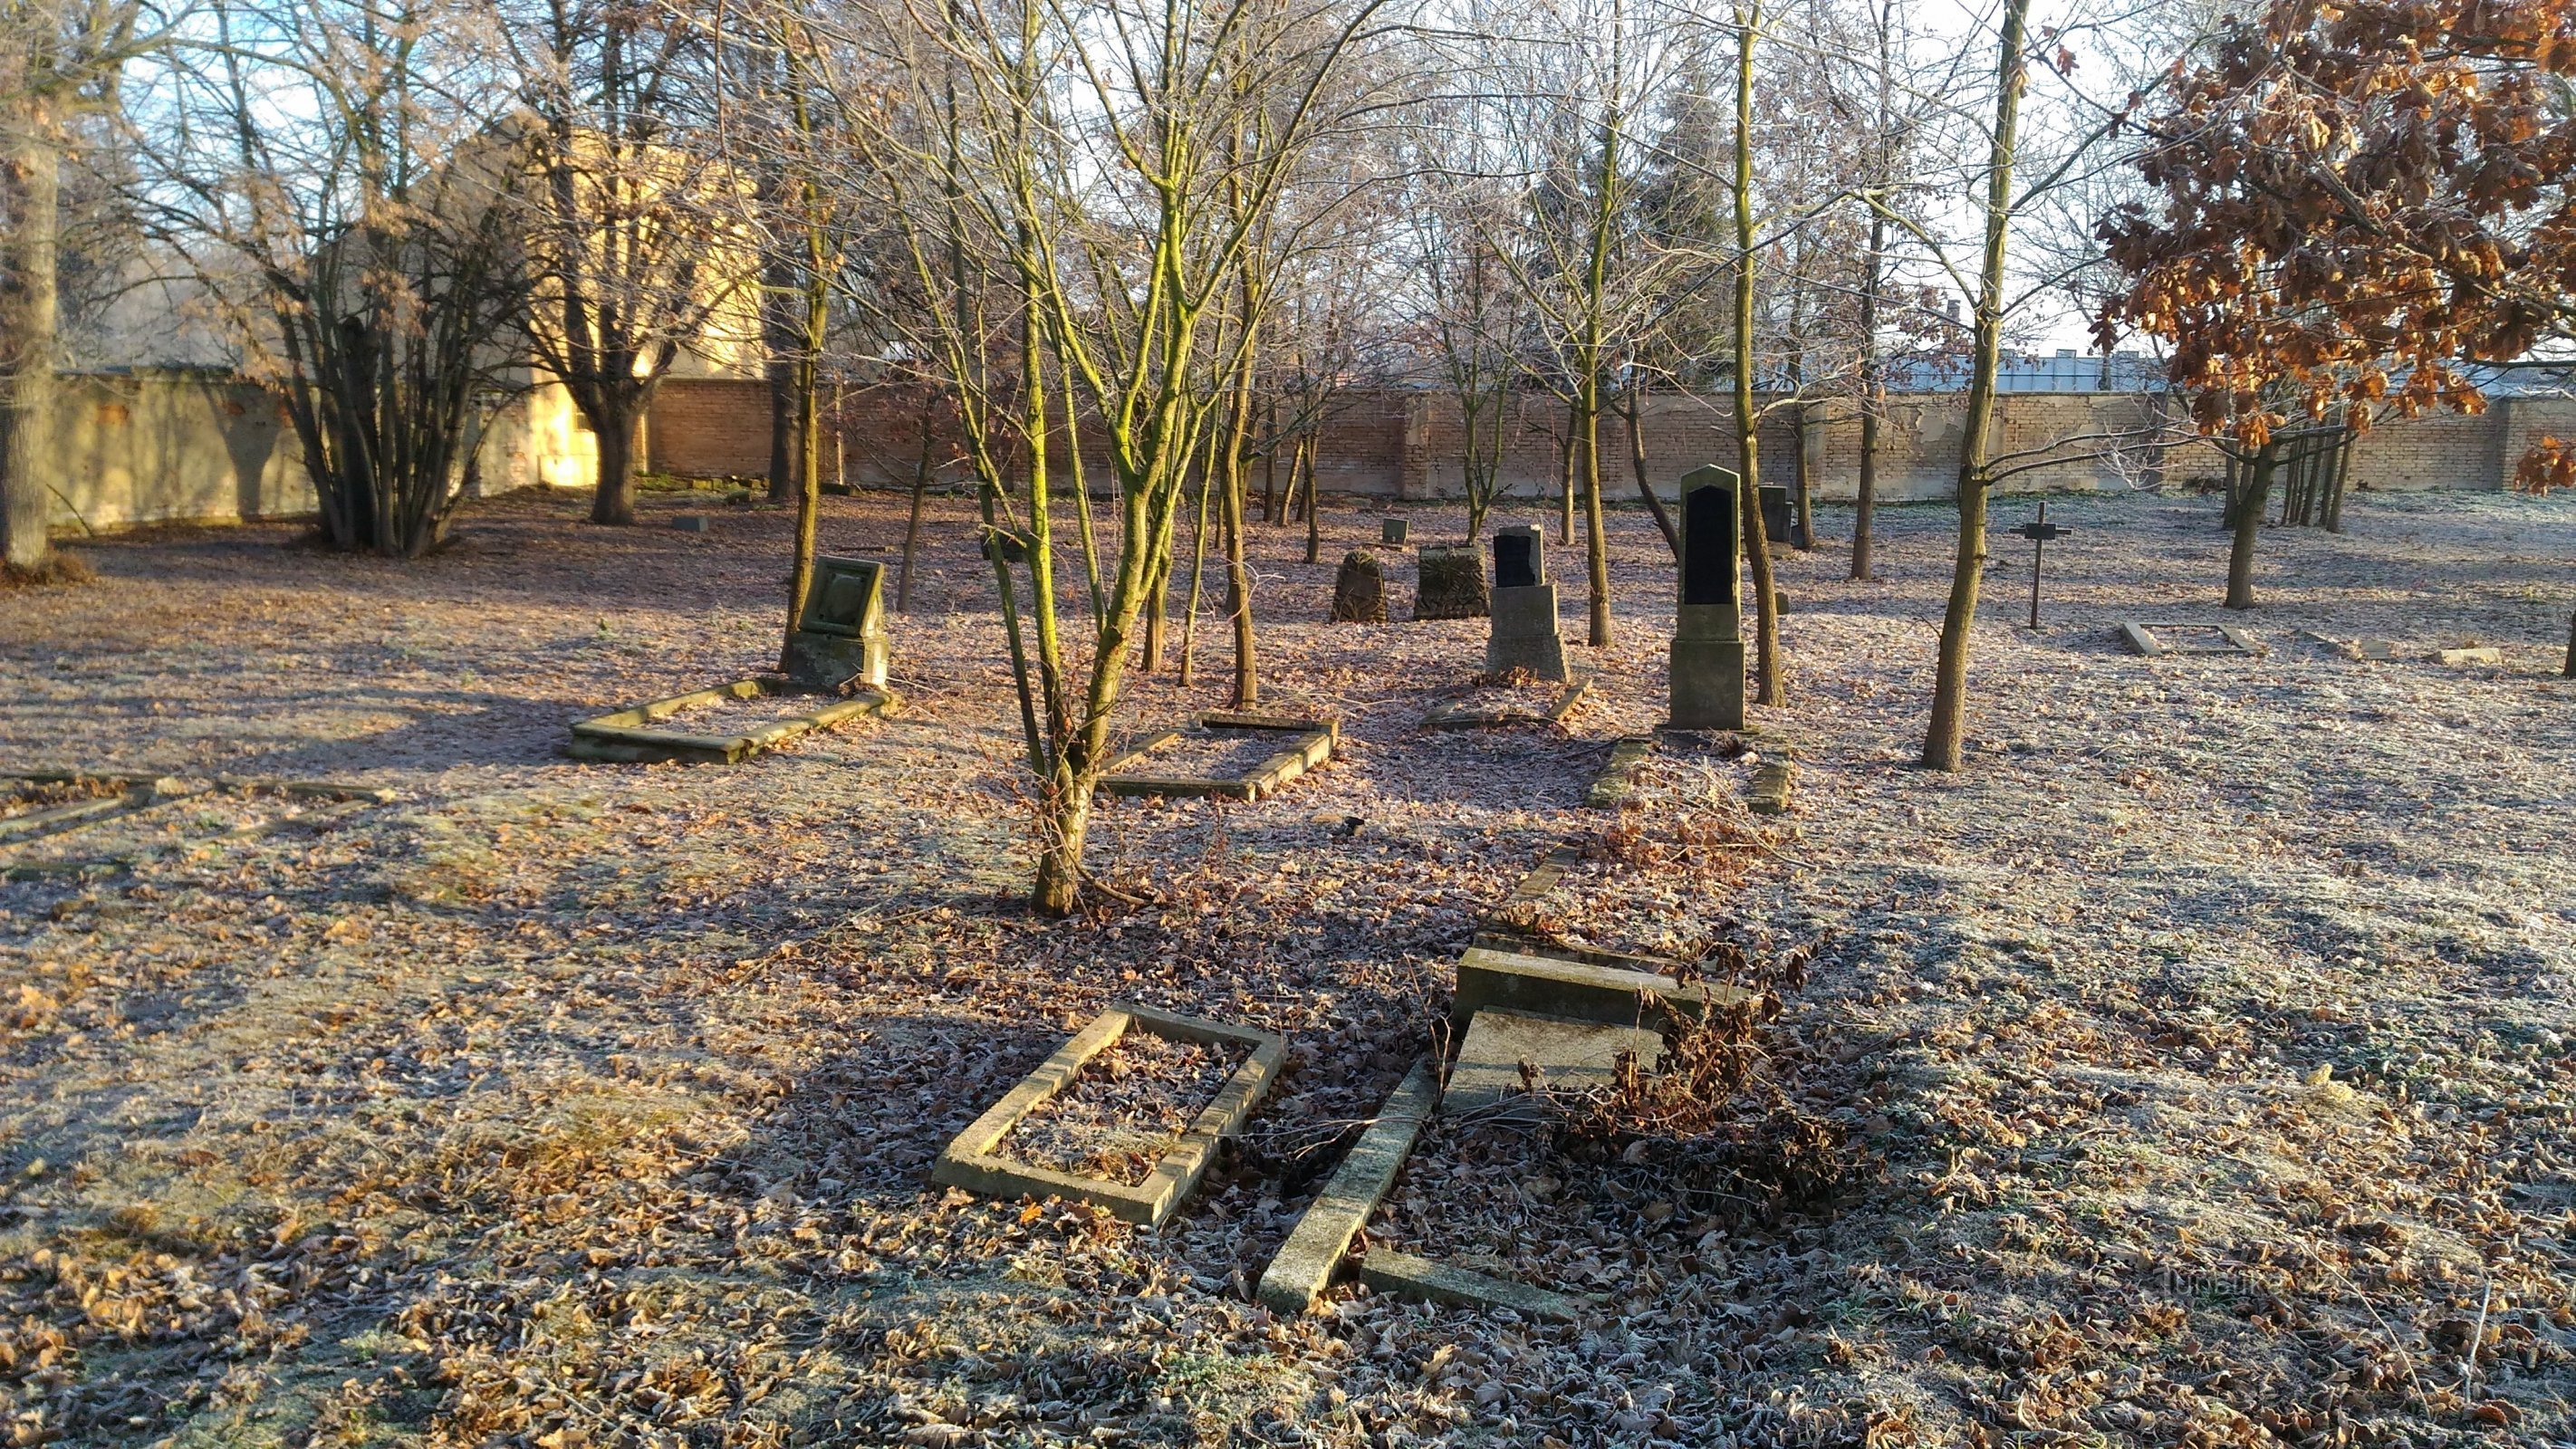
x=628 y=736
x=133 y=795
x=1433 y=1281
x=969 y=1162
x=1466 y=714
x=1309 y=743
x=1500 y=978
x=1705 y=672
x=2140 y=636
x=840 y=635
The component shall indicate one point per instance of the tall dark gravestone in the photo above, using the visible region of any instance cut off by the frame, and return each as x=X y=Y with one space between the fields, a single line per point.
x=1708 y=636
x=1524 y=607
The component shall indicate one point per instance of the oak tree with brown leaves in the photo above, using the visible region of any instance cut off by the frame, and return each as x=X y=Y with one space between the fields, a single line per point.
x=2359 y=201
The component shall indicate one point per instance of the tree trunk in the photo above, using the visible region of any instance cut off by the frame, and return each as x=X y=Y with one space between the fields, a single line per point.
x=1565 y=481
x=1944 y=737
x=31 y=173
x=1868 y=501
x=1635 y=415
x=1770 y=688
x=2249 y=527
x=1059 y=882
x=1238 y=588
x=614 y=503
x=1806 y=496
x=1597 y=539
x=1314 y=515
x=2568 y=670
x=912 y=526
x=783 y=428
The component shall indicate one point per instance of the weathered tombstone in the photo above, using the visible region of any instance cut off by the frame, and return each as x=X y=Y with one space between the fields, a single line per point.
x=1778 y=519
x=692 y=523
x=1524 y=608
x=1449 y=584
x=840 y=638
x=1359 y=592
x=1708 y=635
x=1391 y=531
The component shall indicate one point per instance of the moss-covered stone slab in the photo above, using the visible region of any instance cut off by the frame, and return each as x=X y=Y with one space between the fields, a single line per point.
x=1768 y=792
x=629 y=736
x=1305 y=1264
x=1618 y=777
x=969 y=1161
x=1306 y=743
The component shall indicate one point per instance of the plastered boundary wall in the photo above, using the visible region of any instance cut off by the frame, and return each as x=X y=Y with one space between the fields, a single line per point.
x=1406 y=444
x=181 y=446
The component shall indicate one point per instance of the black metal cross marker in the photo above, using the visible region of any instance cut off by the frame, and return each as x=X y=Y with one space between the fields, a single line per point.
x=2039 y=531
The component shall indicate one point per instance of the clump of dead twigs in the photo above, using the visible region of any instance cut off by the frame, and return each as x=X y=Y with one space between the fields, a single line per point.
x=1719 y=1110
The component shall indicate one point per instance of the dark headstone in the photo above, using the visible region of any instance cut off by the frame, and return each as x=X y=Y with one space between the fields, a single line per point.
x=840 y=637
x=692 y=523
x=1778 y=521
x=1519 y=562
x=1359 y=592
x=1391 y=531
x=1710 y=556
x=1450 y=584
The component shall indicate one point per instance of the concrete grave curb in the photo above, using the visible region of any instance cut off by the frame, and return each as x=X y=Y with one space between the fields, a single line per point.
x=626 y=736
x=2141 y=638
x=1403 y=1273
x=1463 y=714
x=1312 y=743
x=1304 y=1265
x=968 y=1161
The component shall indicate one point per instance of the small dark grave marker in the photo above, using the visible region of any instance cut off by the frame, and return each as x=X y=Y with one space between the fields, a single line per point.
x=693 y=523
x=2039 y=531
x=1518 y=562
x=1391 y=530
x=1777 y=520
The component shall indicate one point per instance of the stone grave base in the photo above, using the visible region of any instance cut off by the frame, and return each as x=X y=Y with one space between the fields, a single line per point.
x=968 y=1161
x=1559 y=1052
x=1707 y=684
x=1525 y=633
x=2153 y=638
x=1306 y=743
x=1470 y=714
x=629 y=735
x=1768 y=794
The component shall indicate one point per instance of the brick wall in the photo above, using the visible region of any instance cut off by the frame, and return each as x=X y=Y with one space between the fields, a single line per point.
x=1394 y=443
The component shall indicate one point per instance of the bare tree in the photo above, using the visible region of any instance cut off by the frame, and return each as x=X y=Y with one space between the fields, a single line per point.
x=326 y=167
x=633 y=229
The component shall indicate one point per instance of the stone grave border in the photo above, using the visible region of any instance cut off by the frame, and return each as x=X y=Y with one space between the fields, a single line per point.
x=1460 y=714
x=626 y=736
x=1768 y=791
x=1312 y=742
x=145 y=792
x=1305 y=1264
x=969 y=1162
x=1495 y=934
x=2140 y=636
x=1618 y=777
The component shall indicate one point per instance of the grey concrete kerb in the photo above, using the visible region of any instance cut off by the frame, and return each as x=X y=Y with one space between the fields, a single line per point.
x=971 y=1163
x=1306 y=743
x=1467 y=714
x=2142 y=638
x=629 y=736
x=1304 y=1265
